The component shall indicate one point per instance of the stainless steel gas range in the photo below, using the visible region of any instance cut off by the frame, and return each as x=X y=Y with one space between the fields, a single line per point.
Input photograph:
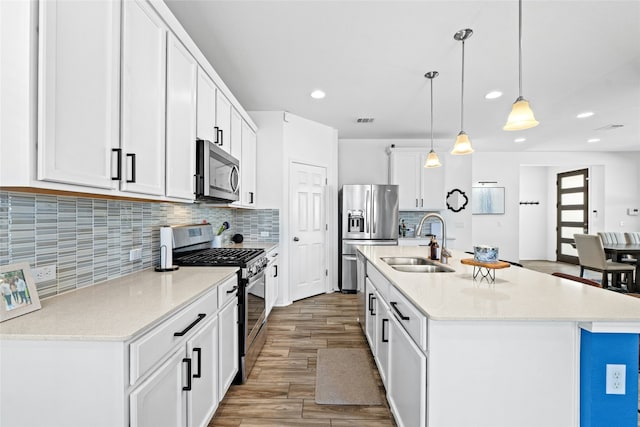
x=192 y=246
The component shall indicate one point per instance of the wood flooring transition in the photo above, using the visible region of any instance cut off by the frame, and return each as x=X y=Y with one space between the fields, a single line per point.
x=280 y=391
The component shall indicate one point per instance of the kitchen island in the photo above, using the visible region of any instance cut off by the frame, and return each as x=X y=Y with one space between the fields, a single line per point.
x=529 y=349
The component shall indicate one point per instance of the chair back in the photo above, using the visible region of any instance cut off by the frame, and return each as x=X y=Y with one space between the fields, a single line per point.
x=590 y=251
x=612 y=237
x=633 y=237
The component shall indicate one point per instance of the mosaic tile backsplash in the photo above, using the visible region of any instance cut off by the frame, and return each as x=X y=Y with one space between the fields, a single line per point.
x=89 y=239
x=412 y=219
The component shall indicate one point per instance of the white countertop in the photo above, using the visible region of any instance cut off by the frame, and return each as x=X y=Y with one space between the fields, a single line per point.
x=117 y=309
x=517 y=294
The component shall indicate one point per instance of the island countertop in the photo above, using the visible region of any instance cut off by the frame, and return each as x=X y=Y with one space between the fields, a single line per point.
x=518 y=294
x=117 y=309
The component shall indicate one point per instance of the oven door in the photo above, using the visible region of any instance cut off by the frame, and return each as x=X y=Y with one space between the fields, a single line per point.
x=254 y=307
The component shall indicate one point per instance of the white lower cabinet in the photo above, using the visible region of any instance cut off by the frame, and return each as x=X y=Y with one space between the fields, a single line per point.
x=158 y=401
x=271 y=280
x=228 y=345
x=407 y=379
x=202 y=353
x=396 y=332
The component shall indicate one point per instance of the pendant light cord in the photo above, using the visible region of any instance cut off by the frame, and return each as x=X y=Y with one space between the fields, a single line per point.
x=462 y=93
x=431 y=81
x=519 y=48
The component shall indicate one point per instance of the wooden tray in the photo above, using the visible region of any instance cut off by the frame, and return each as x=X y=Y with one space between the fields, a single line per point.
x=487 y=270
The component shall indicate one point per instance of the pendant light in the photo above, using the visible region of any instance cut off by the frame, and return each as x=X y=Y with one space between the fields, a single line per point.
x=432 y=157
x=463 y=143
x=521 y=116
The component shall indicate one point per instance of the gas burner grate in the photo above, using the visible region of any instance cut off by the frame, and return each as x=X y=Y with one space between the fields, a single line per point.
x=218 y=256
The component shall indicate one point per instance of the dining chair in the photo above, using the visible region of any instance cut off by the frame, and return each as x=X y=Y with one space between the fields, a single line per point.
x=577 y=279
x=591 y=257
x=617 y=238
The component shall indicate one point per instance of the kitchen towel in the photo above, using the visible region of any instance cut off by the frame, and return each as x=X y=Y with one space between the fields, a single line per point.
x=344 y=376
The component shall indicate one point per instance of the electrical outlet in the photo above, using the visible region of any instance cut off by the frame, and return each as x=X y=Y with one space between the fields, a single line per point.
x=264 y=234
x=616 y=377
x=44 y=274
x=135 y=254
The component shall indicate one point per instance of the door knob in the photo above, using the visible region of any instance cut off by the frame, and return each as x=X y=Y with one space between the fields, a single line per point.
x=295 y=239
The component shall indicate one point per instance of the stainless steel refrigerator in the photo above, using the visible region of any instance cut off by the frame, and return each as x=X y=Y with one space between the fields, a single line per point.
x=368 y=216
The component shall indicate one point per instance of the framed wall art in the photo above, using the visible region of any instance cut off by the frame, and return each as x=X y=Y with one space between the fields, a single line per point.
x=17 y=290
x=487 y=200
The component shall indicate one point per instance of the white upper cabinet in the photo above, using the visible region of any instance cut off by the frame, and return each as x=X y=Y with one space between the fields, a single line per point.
x=182 y=75
x=144 y=47
x=223 y=122
x=420 y=188
x=206 y=107
x=78 y=100
x=248 y=165
x=235 y=139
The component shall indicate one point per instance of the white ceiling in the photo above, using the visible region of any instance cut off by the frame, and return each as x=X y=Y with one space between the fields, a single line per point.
x=370 y=58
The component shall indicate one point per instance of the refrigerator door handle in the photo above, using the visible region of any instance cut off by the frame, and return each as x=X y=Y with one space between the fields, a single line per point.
x=367 y=204
x=373 y=213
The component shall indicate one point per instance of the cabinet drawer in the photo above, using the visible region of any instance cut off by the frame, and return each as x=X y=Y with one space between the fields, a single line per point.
x=413 y=321
x=150 y=349
x=227 y=290
x=380 y=282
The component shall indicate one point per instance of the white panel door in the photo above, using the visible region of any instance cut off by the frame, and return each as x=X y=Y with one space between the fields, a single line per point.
x=206 y=107
x=160 y=401
x=432 y=191
x=144 y=50
x=248 y=165
x=307 y=218
x=78 y=99
x=235 y=138
x=382 y=338
x=182 y=72
x=203 y=399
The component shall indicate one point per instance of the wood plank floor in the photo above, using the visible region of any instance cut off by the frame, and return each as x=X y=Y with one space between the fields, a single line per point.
x=280 y=390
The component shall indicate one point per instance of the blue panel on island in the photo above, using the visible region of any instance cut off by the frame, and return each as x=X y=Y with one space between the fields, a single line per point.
x=598 y=409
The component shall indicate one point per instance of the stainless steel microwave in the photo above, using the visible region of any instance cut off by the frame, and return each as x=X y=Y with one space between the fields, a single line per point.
x=217 y=173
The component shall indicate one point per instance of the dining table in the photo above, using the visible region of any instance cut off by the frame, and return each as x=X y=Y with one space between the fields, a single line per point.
x=616 y=251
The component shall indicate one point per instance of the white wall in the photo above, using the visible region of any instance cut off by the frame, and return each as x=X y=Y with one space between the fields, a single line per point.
x=614 y=187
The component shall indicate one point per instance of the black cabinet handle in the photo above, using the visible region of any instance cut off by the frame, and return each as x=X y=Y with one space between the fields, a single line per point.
x=188 y=328
x=370 y=308
x=373 y=308
x=217 y=131
x=188 y=362
x=220 y=137
x=133 y=167
x=118 y=176
x=250 y=196
x=402 y=316
x=383 y=330
x=232 y=290
x=199 y=364
x=276 y=273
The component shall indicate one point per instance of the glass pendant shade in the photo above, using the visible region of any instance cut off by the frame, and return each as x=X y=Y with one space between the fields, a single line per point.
x=521 y=116
x=432 y=160
x=462 y=144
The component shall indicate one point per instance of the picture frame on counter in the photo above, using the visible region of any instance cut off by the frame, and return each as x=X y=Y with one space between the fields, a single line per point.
x=487 y=200
x=17 y=290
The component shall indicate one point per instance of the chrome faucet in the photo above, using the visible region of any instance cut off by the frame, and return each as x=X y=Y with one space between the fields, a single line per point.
x=443 y=252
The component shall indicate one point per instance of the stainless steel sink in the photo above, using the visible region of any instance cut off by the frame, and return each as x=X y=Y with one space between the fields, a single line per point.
x=416 y=265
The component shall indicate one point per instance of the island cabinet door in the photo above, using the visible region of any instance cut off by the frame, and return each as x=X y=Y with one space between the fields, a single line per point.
x=382 y=338
x=407 y=378
x=371 y=317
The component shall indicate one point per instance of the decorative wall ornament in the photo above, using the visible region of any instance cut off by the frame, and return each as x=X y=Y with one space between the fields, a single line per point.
x=457 y=200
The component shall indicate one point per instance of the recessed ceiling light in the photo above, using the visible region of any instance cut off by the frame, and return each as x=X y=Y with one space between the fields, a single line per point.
x=593 y=140
x=318 y=94
x=585 y=115
x=493 y=95
x=520 y=140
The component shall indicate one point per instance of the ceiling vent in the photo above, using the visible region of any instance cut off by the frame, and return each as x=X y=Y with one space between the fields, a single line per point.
x=610 y=127
x=364 y=120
